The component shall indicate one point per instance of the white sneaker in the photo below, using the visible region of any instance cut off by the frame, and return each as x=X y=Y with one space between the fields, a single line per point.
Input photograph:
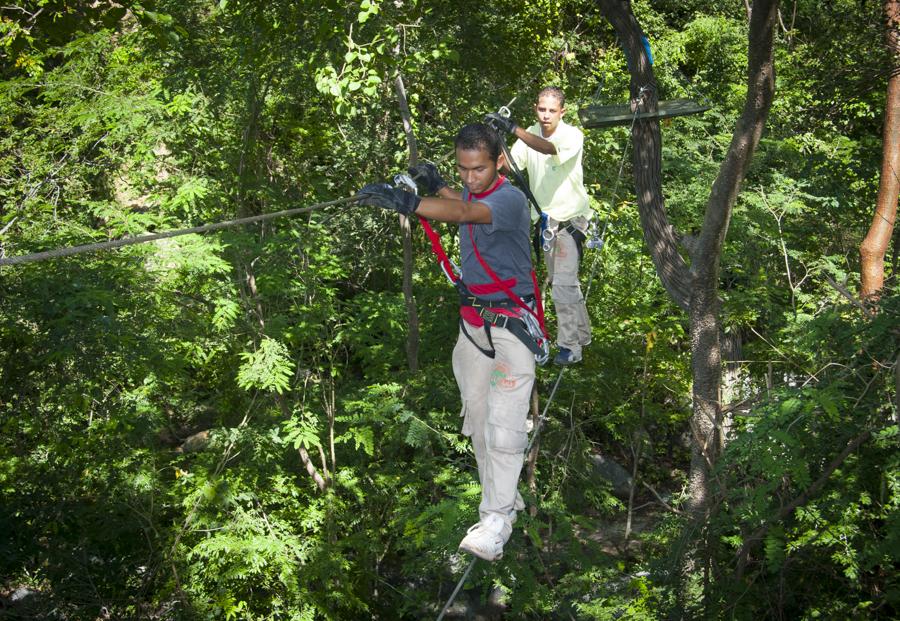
x=484 y=539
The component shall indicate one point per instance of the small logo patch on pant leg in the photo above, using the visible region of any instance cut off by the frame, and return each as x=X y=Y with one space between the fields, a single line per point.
x=500 y=377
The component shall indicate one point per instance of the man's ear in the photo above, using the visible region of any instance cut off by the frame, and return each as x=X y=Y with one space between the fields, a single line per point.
x=501 y=161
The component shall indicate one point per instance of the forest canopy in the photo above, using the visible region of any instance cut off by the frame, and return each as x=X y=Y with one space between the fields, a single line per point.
x=228 y=425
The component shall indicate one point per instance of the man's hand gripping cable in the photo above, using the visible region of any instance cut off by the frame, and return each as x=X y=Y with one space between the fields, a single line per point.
x=450 y=269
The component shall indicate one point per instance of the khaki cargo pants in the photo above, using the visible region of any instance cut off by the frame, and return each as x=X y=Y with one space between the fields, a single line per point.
x=496 y=396
x=573 y=325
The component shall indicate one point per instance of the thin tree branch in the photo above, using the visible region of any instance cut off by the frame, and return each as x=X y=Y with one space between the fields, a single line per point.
x=844 y=292
x=412 y=342
x=661 y=501
x=744 y=552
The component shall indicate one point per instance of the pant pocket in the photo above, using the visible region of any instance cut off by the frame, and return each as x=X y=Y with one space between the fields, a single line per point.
x=467 y=423
x=506 y=428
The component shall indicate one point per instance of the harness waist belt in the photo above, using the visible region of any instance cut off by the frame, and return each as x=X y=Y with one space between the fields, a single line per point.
x=466 y=299
x=516 y=325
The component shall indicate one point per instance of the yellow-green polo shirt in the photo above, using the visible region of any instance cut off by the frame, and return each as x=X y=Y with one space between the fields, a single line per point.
x=557 y=181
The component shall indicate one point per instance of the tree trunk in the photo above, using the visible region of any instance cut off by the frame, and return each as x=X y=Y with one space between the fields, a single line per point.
x=731 y=392
x=705 y=257
x=875 y=245
x=645 y=134
x=248 y=165
x=412 y=315
x=696 y=289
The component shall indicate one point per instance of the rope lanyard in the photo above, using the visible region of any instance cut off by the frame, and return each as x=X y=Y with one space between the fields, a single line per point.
x=451 y=271
x=520 y=178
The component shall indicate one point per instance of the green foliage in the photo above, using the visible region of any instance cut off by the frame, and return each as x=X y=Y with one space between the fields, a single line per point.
x=267 y=368
x=844 y=534
x=154 y=399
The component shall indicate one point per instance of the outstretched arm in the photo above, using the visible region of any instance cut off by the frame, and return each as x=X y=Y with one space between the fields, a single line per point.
x=541 y=145
x=443 y=208
x=453 y=210
x=448 y=192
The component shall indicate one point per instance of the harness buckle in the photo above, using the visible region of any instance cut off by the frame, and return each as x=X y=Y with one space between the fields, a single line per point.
x=495 y=319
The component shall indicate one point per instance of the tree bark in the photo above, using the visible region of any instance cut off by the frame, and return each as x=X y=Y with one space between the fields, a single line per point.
x=875 y=245
x=705 y=259
x=659 y=235
x=696 y=289
x=412 y=315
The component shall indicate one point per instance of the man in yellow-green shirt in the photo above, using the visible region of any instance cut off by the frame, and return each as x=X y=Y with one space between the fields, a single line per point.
x=551 y=152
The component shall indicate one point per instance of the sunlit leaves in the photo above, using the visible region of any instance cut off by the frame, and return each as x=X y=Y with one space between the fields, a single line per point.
x=267 y=368
x=367 y=8
x=225 y=314
x=189 y=194
x=302 y=431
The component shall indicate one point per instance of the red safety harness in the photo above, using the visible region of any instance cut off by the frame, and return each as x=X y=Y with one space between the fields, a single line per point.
x=515 y=314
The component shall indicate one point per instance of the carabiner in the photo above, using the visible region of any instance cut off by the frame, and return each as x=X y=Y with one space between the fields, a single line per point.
x=596 y=241
x=402 y=179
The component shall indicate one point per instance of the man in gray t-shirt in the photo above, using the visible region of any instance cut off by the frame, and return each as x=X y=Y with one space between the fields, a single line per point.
x=494 y=223
x=503 y=244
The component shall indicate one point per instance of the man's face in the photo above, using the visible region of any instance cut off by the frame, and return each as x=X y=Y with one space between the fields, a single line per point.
x=548 y=112
x=476 y=169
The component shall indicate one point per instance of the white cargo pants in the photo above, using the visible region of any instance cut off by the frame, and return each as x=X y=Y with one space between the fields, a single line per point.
x=496 y=397
x=573 y=326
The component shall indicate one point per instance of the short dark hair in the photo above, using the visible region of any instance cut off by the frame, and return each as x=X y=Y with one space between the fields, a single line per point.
x=553 y=91
x=479 y=137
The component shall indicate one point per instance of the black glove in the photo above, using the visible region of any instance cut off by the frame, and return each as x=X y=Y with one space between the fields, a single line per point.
x=384 y=196
x=427 y=177
x=500 y=123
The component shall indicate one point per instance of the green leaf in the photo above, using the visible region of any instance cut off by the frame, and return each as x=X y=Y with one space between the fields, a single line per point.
x=535 y=537
x=267 y=368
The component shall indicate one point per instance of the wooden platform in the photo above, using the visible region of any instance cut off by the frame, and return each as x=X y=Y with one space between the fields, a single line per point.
x=595 y=116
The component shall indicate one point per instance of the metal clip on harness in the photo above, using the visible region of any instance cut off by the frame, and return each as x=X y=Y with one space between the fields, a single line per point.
x=548 y=235
x=596 y=241
x=405 y=181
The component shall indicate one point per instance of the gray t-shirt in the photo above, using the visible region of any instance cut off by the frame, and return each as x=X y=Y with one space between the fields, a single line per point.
x=504 y=244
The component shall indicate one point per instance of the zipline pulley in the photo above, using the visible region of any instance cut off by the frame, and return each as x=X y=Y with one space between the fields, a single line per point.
x=595 y=239
x=405 y=181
